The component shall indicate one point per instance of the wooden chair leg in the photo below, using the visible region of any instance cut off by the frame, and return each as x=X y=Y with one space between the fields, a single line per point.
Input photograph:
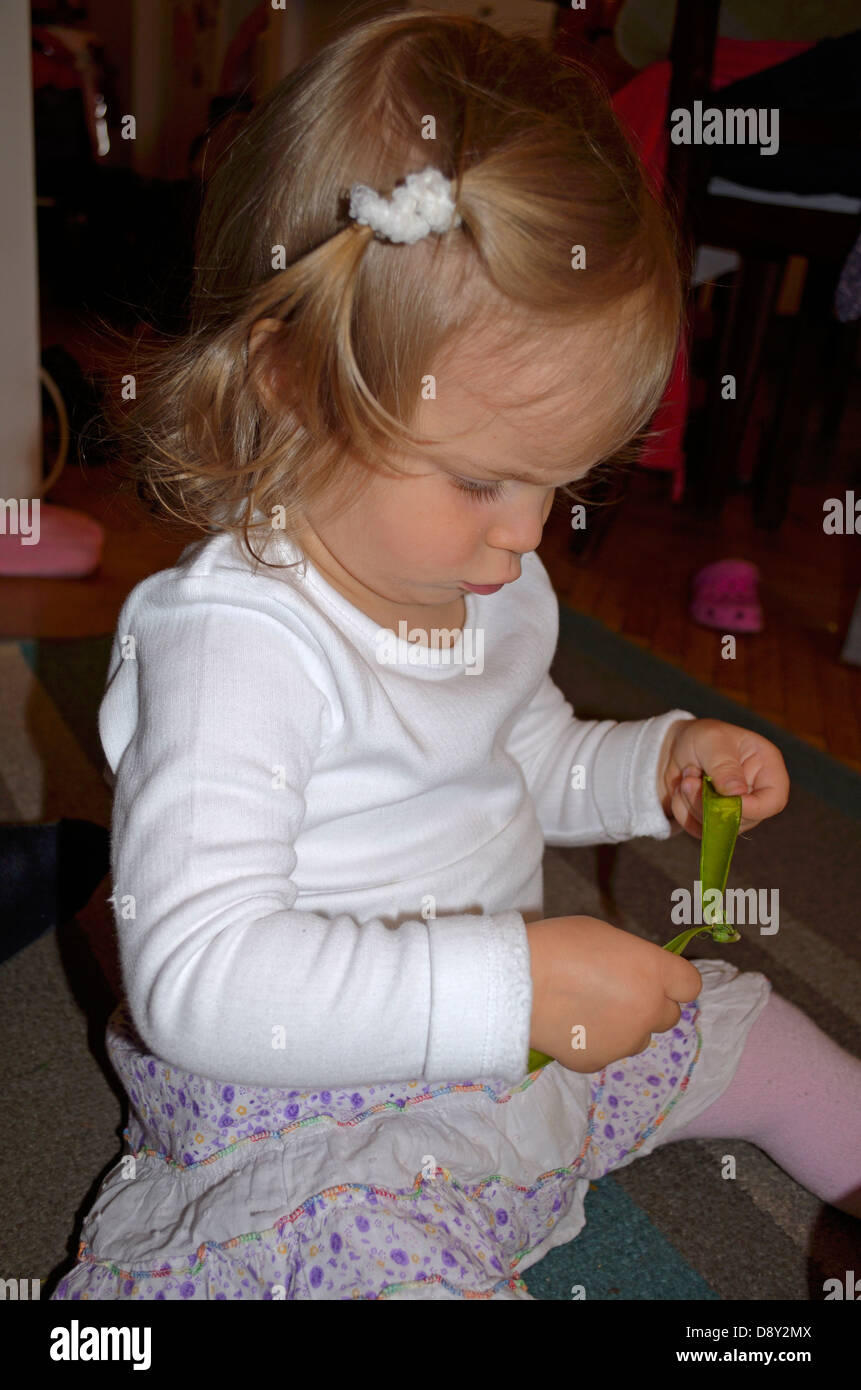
x=740 y=355
x=706 y=355
x=758 y=291
x=840 y=366
x=709 y=487
x=781 y=444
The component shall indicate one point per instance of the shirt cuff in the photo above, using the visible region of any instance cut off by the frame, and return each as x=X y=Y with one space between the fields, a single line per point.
x=626 y=776
x=481 y=997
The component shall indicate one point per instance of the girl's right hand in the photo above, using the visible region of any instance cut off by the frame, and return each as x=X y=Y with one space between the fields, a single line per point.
x=613 y=988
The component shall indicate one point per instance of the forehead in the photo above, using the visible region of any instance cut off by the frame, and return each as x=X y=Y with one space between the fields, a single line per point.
x=540 y=405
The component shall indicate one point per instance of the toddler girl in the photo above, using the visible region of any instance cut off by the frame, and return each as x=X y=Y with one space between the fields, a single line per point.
x=431 y=288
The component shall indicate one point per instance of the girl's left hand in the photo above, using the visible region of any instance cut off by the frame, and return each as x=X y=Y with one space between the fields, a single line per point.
x=738 y=762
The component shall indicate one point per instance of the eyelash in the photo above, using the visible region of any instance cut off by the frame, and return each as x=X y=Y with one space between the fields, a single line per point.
x=480 y=492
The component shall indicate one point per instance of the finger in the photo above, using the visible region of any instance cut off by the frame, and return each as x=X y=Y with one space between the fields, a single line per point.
x=756 y=805
x=691 y=791
x=669 y=1016
x=764 y=802
x=686 y=814
x=682 y=980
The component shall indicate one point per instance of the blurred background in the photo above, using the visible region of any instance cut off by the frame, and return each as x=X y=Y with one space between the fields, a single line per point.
x=718 y=532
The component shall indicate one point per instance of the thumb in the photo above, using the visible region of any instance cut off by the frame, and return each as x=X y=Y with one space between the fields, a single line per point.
x=728 y=778
x=682 y=980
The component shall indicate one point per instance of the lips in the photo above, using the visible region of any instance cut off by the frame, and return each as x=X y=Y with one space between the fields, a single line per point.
x=484 y=588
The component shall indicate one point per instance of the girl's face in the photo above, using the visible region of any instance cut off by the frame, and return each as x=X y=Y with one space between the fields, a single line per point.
x=466 y=510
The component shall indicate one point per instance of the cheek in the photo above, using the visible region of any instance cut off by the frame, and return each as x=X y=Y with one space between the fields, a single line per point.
x=442 y=528
x=460 y=523
x=437 y=512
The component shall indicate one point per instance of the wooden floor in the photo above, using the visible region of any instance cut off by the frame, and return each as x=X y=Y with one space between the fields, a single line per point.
x=635 y=578
x=637 y=582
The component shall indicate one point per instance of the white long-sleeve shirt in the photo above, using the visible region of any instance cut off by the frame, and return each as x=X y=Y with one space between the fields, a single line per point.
x=292 y=783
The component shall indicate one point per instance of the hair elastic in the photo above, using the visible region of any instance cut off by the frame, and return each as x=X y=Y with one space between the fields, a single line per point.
x=422 y=204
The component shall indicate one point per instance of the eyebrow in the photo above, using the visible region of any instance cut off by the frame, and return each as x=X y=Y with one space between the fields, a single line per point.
x=508 y=477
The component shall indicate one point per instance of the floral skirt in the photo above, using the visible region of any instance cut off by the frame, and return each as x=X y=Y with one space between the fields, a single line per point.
x=407 y=1189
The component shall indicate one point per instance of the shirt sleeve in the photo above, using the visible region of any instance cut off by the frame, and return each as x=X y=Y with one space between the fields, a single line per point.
x=212 y=721
x=593 y=781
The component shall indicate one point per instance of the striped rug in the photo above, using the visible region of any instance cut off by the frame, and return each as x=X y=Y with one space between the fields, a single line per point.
x=668 y=1227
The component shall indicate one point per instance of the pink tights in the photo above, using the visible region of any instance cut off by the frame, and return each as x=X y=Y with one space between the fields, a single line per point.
x=797 y=1095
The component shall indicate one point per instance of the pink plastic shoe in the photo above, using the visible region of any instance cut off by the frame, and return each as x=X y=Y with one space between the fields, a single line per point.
x=726 y=596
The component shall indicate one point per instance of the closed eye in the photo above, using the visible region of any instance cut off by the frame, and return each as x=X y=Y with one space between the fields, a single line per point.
x=481 y=492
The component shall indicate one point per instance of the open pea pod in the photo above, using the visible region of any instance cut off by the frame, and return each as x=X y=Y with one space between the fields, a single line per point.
x=721 y=821
x=538 y=1059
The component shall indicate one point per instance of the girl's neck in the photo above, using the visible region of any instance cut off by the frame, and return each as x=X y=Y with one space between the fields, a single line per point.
x=419 y=619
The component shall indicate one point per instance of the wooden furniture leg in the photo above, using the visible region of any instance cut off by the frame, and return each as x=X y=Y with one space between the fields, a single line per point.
x=781 y=443
x=740 y=355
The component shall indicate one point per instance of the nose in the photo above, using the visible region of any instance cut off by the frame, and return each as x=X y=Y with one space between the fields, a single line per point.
x=521 y=526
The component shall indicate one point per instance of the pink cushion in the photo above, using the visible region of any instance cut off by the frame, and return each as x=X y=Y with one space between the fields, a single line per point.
x=69 y=543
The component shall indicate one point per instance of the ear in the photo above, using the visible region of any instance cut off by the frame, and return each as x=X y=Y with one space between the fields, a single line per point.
x=260 y=332
x=272 y=385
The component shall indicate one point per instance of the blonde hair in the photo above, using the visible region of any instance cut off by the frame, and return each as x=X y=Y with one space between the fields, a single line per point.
x=539 y=165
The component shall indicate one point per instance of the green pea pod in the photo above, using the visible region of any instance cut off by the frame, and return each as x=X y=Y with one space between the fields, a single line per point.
x=721 y=820
x=538 y=1059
